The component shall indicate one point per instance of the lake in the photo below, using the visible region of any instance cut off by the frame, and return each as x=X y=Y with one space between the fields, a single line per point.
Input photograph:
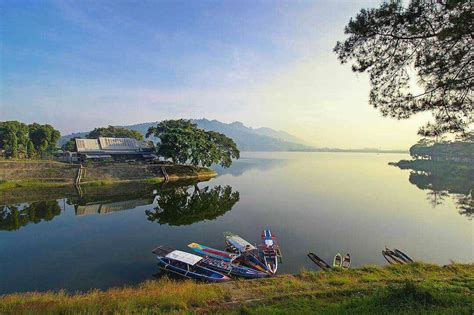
x=326 y=203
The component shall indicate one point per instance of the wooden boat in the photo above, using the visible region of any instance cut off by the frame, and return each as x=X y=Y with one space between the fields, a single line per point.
x=211 y=252
x=248 y=252
x=319 y=262
x=186 y=265
x=346 y=261
x=337 y=262
x=402 y=255
x=391 y=258
x=270 y=251
x=225 y=266
x=231 y=268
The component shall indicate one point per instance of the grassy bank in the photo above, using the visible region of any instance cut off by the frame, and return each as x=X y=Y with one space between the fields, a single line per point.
x=416 y=288
x=39 y=174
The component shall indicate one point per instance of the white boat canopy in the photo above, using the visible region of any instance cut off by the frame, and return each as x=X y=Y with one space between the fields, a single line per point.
x=239 y=243
x=187 y=258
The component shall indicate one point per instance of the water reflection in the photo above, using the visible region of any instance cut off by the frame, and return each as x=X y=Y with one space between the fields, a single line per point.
x=178 y=203
x=108 y=199
x=239 y=167
x=186 y=205
x=13 y=217
x=444 y=180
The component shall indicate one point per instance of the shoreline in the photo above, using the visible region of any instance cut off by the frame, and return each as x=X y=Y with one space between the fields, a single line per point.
x=21 y=174
x=417 y=287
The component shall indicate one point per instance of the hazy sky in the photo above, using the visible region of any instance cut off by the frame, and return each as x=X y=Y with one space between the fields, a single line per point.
x=79 y=65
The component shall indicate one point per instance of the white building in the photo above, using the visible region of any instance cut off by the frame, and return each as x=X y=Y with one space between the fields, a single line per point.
x=116 y=148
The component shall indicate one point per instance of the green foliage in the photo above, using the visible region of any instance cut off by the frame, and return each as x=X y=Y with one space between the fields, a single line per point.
x=13 y=137
x=70 y=145
x=14 y=145
x=178 y=206
x=461 y=151
x=21 y=140
x=114 y=132
x=182 y=141
x=30 y=150
x=44 y=137
x=433 y=37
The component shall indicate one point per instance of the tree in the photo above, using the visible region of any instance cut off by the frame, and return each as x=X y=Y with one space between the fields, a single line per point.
x=182 y=141
x=70 y=145
x=430 y=39
x=13 y=134
x=114 y=132
x=44 y=137
x=30 y=150
x=14 y=145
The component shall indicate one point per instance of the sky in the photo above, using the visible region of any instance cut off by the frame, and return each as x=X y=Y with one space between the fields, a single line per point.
x=83 y=64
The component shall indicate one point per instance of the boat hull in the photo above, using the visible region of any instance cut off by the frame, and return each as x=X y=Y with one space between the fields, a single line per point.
x=233 y=269
x=197 y=272
x=319 y=262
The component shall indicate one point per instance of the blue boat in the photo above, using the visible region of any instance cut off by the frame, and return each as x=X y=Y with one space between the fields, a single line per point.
x=232 y=269
x=186 y=265
x=248 y=253
x=219 y=262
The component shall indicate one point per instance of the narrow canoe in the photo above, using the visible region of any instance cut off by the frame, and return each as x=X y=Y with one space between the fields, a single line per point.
x=318 y=261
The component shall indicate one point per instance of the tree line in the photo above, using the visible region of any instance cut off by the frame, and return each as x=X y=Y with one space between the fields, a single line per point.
x=180 y=141
x=19 y=140
x=459 y=150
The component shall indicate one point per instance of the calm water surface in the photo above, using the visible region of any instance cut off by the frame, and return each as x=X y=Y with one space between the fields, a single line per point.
x=321 y=202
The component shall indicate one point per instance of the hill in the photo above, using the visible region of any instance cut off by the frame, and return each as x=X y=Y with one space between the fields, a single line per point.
x=246 y=138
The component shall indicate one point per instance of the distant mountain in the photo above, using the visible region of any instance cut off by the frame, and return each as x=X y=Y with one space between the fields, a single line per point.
x=246 y=138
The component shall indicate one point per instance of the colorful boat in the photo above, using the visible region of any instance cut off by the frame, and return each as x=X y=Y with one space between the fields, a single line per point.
x=270 y=251
x=248 y=253
x=318 y=261
x=211 y=252
x=186 y=265
x=226 y=266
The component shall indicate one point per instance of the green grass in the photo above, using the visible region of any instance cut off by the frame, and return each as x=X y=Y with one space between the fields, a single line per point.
x=405 y=298
x=5 y=185
x=410 y=289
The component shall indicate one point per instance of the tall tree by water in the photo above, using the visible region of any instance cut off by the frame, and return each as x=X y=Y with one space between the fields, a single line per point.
x=426 y=43
x=114 y=132
x=183 y=142
x=43 y=137
x=14 y=137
